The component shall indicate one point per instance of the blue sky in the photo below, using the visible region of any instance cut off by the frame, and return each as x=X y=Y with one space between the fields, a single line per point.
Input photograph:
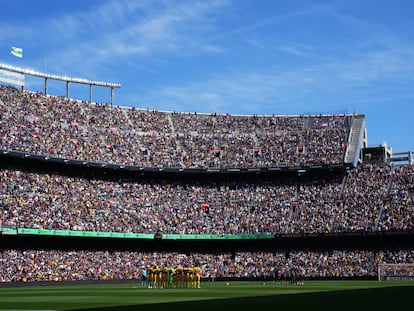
x=228 y=56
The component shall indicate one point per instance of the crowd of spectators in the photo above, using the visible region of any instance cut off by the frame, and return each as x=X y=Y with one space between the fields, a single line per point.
x=363 y=198
x=35 y=200
x=59 y=265
x=60 y=127
x=369 y=198
x=377 y=198
x=399 y=202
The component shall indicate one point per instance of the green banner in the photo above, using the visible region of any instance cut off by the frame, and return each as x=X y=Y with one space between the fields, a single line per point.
x=8 y=231
x=93 y=234
x=130 y=235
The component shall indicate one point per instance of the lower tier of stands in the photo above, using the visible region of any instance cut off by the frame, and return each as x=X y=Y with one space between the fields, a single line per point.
x=58 y=265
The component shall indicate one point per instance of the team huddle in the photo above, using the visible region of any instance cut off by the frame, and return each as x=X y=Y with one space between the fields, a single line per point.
x=155 y=277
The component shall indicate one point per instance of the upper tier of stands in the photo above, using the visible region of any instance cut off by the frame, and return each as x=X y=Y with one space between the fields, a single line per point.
x=60 y=127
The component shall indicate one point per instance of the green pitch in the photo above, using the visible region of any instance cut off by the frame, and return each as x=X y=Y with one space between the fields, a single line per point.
x=315 y=295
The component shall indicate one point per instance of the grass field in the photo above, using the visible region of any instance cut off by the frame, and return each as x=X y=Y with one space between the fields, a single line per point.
x=314 y=295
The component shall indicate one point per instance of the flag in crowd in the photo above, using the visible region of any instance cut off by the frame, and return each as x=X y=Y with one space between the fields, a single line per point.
x=18 y=52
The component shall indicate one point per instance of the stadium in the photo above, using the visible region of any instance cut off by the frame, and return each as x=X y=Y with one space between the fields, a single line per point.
x=93 y=194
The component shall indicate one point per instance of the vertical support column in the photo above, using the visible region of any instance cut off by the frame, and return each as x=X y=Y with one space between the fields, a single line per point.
x=45 y=86
x=67 y=89
x=111 y=99
x=90 y=93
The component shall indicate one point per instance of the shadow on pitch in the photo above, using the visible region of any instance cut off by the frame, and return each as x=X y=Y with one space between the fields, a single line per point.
x=387 y=298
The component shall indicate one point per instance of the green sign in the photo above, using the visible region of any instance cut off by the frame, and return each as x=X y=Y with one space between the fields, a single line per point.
x=130 y=235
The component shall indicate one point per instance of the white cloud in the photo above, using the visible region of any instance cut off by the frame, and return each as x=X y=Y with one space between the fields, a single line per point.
x=117 y=29
x=316 y=87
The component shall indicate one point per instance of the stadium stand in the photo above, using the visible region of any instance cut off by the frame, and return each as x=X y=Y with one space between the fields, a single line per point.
x=354 y=203
x=279 y=176
x=55 y=126
x=57 y=265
